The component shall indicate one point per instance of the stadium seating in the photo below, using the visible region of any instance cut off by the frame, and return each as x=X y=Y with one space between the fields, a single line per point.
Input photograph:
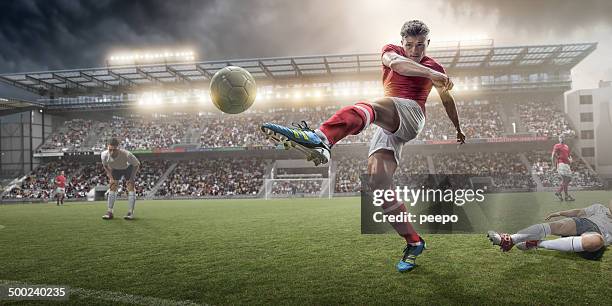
x=214 y=177
x=544 y=119
x=479 y=119
x=81 y=177
x=70 y=137
x=582 y=177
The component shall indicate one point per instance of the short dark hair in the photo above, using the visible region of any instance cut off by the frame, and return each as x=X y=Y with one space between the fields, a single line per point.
x=112 y=141
x=414 y=28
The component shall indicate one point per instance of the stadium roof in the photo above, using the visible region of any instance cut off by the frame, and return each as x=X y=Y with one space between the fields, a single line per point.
x=14 y=105
x=113 y=79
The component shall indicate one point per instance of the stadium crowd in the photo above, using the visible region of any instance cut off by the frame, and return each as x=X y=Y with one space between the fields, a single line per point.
x=544 y=119
x=480 y=119
x=145 y=133
x=505 y=169
x=214 y=177
x=582 y=177
x=70 y=137
x=81 y=178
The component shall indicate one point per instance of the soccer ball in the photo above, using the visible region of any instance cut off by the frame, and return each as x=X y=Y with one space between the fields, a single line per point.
x=233 y=90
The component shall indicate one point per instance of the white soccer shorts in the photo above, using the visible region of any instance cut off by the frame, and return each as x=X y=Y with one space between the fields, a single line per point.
x=412 y=121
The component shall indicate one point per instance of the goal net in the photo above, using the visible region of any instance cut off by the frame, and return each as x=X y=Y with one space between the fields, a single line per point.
x=298 y=188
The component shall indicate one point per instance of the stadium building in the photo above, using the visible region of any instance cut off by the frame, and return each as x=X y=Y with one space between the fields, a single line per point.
x=510 y=101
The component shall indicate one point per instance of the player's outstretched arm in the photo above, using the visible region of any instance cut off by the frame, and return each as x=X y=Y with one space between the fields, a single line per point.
x=451 y=111
x=566 y=213
x=408 y=67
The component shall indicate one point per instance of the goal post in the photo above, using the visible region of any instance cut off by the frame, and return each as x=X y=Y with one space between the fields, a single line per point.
x=298 y=188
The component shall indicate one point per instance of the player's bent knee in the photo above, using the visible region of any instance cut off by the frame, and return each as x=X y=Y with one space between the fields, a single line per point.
x=386 y=114
x=380 y=170
x=592 y=242
x=130 y=186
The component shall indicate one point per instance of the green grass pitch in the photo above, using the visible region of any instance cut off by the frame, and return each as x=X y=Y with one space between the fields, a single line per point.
x=289 y=251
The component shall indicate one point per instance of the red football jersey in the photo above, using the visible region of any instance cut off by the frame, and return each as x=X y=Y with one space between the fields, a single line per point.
x=563 y=153
x=60 y=181
x=408 y=87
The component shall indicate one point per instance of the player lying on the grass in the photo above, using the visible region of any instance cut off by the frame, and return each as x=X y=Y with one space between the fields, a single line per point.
x=60 y=188
x=408 y=76
x=118 y=164
x=586 y=231
x=561 y=159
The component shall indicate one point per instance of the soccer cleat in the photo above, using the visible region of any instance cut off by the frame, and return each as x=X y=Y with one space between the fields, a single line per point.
x=559 y=196
x=569 y=198
x=502 y=239
x=129 y=216
x=302 y=138
x=528 y=245
x=108 y=216
x=408 y=261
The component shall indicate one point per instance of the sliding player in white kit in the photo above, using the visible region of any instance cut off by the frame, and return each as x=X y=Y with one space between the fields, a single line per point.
x=118 y=164
x=586 y=231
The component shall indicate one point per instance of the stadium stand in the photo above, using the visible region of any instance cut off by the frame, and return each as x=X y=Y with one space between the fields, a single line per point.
x=214 y=177
x=582 y=178
x=544 y=119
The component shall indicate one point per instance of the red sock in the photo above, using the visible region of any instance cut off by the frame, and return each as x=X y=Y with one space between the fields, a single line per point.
x=349 y=120
x=561 y=187
x=565 y=187
x=404 y=229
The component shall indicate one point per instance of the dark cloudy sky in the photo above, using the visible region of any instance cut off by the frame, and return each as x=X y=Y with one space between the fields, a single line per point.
x=47 y=34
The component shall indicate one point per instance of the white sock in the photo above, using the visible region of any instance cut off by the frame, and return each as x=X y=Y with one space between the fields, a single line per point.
x=131 y=201
x=567 y=244
x=322 y=136
x=534 y=232
x=112 y=195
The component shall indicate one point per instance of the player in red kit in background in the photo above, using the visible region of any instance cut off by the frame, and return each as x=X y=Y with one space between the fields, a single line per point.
x=408 y=76
x=561 y=160
x=60 y=188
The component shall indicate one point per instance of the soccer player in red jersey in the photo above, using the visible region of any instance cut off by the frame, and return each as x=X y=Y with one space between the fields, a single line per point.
x=408 y=76
x=561 y=159
x=60 y=188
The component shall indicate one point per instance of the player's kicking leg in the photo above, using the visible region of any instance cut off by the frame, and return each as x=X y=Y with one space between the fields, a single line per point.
x=111 y=197
x=349 y=120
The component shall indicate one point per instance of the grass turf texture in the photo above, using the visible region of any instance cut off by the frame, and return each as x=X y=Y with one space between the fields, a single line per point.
x=304 y=251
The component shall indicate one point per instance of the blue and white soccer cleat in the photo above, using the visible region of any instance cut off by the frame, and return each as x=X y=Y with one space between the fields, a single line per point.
x=408 y=261
x=302 y=138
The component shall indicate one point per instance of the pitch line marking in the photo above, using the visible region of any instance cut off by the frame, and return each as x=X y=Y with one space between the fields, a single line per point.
x=112 y=296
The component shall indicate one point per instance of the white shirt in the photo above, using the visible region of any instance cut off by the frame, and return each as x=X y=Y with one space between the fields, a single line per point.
x=602 y=217
x=123 y=159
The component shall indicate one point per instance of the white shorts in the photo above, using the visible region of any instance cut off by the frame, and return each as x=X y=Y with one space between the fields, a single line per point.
x=412 y=121
x=564 y=169
x=60 y=190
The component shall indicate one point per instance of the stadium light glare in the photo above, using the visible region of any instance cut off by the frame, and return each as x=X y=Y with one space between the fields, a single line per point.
x=137 y=57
